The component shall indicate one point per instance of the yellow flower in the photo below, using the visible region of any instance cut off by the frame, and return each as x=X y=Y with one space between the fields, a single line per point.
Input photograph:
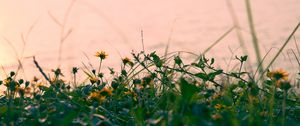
x=106 y=92
x=57 y=80
x=132 y=94
x=7 y=81
x=102 y=55
x=219 y=106
x=126 y=60
x=216 y=96
x=278 y=74
x=127 y=92
x=95 y=96
x=17 y=88
x=39 y=85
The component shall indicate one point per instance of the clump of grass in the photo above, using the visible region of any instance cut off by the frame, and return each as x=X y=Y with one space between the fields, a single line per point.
x=151 y=90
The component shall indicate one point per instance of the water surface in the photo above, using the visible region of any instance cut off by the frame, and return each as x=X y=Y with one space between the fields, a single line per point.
x=115 y=27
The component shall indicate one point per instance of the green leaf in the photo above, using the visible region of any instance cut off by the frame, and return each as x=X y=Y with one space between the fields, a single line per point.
x=244 y=58
x=211 y=76
x=203 y=76
x=178 y=60
x=156 y=59
x=187 y=90
x=212 y=61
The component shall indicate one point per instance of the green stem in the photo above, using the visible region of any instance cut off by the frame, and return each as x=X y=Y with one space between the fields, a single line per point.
x=254 y=36
x=99 y=66
x=272 y=105
x=283 y=107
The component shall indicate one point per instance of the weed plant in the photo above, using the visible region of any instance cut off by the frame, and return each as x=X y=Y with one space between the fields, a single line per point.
x=152 y=90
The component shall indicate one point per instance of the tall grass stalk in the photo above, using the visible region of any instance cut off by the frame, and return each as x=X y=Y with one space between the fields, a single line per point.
x=217 y=41
x=212 y=45
x=282 y=47
x=297 y=47
x=253 y=34
x=169 y=39
x=63 y=35
x=142 y=39
x=238 y=31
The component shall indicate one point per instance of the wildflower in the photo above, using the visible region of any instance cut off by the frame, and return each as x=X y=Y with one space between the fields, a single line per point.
x=284 y=85
x=39 y=85
x=132 y=94
x=95 y=96
x=278 y=74
x=94 y=80
x=57 y=81
x=17 y=88
x=7 y=81
x=102 y=55
x=101 y=75
x=216 y=96
x=106 y=92
x=57 y=72
x=126 y=60
x=75 y=70
x=127 y=92
x=35 y=79
x=216 y=116
x=219 y=106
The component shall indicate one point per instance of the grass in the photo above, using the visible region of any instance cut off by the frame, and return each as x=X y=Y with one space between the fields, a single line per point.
x=151 y=90
x=254 y=36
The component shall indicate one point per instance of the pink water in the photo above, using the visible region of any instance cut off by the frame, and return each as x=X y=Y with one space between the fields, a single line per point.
x=115 y=27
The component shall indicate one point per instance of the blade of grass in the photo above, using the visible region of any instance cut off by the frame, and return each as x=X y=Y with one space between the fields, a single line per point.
x=142 y=37
x=268 y=52
x=217 y=41
x=297 y=47
x=281 y=49
x=253 y=34
x=169 y=39
x=63 y=35
x=40 y=69
x=238 y=32
x=109 y=22
x=237 y=26
x=296 y=57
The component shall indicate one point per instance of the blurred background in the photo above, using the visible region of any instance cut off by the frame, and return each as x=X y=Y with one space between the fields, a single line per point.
x=80 y=28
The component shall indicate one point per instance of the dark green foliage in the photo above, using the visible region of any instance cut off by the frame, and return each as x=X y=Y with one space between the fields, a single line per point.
x=152 y=91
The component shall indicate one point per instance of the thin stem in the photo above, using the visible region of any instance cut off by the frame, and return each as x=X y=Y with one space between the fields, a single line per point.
x=75 y=84
x=283 y=107
x=100 y=64
x=272 y=105
x=254 y=36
